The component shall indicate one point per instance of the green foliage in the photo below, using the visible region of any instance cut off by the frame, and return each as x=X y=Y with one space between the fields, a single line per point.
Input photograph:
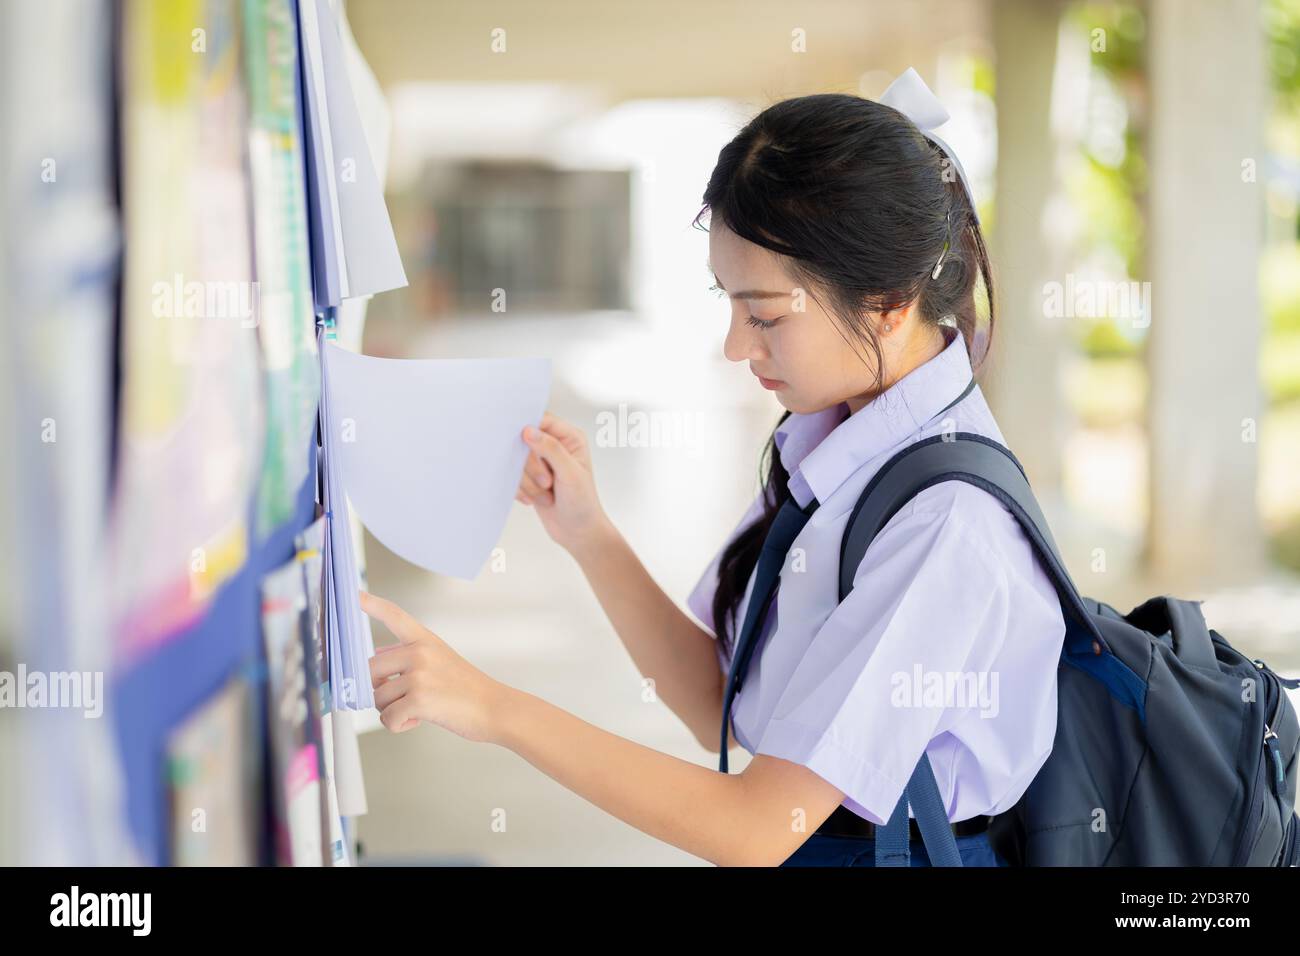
x=1279 y=286
x=1101 y=339
x=1282 y=28
x=1123 y=31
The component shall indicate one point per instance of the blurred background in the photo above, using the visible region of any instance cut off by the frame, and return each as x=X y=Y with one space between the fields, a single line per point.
x=1137 y=166
x=1137 y=169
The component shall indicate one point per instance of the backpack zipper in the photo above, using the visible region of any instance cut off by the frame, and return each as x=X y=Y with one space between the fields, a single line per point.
x=1274 y=766
x=1279 y=775
x=1252 y=826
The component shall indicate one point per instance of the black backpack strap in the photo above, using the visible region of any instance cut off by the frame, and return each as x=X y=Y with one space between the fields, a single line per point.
x=985 y=463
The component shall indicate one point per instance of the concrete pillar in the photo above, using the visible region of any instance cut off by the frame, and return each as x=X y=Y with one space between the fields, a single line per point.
x=1205 y=217
x=1022 y=378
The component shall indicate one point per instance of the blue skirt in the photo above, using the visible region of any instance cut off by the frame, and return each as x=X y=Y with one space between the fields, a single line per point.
x=822 y=849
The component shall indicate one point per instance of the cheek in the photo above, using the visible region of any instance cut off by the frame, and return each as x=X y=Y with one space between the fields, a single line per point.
x=804 y=353
x=819 y=367
x=792 y=349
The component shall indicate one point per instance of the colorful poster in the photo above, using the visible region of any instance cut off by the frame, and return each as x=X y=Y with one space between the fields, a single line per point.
x=192 y=425
x=311 y=558
x=59 y=254
x=214 y=763
x=287 y=326
x=295 y=755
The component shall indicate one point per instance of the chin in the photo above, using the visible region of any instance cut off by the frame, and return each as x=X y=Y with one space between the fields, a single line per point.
x=792 y=402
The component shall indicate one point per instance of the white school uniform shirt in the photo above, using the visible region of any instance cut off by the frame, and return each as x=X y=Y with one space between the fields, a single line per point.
x=949 y=640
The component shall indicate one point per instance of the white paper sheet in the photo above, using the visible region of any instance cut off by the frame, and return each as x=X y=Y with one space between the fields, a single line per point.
x=364 y=246
x=432 y=449
x=350 y=784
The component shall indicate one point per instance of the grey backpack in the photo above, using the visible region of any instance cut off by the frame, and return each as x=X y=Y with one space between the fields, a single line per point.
x=1172 y=748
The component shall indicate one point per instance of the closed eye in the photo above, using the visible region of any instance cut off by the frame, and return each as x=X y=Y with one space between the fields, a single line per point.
x=752 y=320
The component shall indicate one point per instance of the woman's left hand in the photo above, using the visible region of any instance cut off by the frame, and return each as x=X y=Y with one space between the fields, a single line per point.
x=429 y=681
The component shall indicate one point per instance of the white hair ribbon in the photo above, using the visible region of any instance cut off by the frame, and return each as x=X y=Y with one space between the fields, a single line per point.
x=910 y=96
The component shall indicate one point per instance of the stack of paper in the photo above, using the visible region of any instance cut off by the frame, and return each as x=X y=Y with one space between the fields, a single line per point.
x=353 y=249
x=351 y=644
x=430 y=453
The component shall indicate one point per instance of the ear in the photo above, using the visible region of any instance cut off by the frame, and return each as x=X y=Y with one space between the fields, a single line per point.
x=891 y=320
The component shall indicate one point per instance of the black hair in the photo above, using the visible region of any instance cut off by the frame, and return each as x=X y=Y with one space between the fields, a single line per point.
x=861 y=204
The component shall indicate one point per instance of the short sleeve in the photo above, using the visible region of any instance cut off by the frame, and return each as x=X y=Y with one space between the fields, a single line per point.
x=897 y=662
x=700 y=600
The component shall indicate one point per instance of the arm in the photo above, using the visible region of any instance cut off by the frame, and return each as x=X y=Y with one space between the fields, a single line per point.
x=665 y=644
x=755 y=818
x=758 y=817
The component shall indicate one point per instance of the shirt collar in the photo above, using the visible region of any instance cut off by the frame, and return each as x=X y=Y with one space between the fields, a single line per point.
x=822 y=449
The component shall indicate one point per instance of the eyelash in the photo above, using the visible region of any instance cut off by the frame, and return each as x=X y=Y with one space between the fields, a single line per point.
x=752 y=320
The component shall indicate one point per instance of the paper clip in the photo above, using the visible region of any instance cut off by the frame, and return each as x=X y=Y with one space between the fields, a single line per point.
x=329 y=323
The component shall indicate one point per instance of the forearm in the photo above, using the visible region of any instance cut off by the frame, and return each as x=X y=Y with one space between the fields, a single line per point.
x=706 y=813
x=665 y=644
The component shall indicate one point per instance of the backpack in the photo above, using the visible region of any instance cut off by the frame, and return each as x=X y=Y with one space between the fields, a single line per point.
x=1172 y=748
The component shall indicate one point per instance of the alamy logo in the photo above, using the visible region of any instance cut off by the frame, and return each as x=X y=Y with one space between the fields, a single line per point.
x=232 y=299
x=102 y=909
x=62 y=689
x=959 y=689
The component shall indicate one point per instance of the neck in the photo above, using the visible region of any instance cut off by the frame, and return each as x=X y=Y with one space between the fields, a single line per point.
x=920 y=350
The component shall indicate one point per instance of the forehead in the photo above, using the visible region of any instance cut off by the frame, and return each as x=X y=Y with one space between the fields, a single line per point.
x=737 y=262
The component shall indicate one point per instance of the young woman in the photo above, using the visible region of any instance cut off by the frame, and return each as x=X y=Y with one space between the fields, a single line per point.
x=849 y=254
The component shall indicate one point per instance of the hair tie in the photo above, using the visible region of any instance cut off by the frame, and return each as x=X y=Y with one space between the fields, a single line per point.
x=910 y=96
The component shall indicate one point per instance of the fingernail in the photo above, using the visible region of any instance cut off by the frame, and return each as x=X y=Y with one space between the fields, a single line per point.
x=530 y=432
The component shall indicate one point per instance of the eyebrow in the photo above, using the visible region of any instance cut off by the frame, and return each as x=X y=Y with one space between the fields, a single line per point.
x=748 y=293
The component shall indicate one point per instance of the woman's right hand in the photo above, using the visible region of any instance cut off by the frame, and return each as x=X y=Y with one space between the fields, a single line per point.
x=558 y=482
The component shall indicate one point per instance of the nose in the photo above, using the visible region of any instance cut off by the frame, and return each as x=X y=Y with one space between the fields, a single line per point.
x=743 y=342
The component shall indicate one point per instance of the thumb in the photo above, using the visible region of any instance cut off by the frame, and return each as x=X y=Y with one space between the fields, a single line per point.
x=552 y=451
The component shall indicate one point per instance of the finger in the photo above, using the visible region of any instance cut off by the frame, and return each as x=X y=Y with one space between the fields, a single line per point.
x=375 y=682
x=391 y=690
x=399 y=716
x=550 y=450
x=382 y=610
x=535 y=494
x=393 y=662
x=404 y=627
x=530 y=488
x=559 y=427
x=571 y=436
x=538 y=470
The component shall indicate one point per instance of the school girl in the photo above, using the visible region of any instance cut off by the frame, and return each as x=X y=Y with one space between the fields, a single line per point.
x=848 y=252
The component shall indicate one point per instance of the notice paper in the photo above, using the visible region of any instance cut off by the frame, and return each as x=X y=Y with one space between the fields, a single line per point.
x=431 y=450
